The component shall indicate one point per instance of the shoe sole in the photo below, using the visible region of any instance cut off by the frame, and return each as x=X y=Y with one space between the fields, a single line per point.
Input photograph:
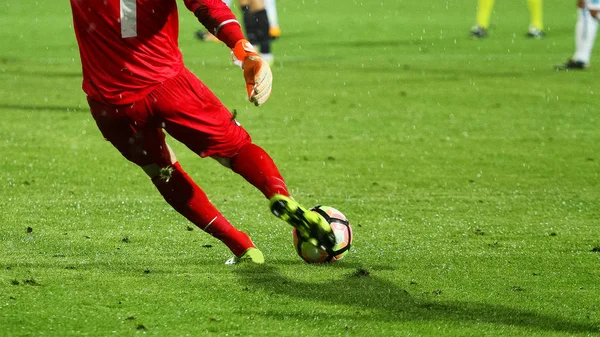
x=310 y=225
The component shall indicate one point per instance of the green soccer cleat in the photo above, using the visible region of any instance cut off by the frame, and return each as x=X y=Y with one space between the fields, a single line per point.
x=310 y=225
x=253 y=255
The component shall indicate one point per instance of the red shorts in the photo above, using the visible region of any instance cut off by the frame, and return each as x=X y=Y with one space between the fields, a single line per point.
x=185 y=108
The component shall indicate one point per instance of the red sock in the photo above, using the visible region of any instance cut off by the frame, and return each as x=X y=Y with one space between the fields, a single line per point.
x=186 y=197
x=257 y=167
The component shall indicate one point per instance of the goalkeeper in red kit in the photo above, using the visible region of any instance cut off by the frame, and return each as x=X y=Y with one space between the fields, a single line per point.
x=137 y=88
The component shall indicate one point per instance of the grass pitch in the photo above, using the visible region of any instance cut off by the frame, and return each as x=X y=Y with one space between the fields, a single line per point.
x=469 y=170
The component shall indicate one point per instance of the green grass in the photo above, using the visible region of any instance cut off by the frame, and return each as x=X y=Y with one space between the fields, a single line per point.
x=470 y=171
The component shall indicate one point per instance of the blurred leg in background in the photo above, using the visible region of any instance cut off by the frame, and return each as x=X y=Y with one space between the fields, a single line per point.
x=271 y=7
x=586 y=29
x=482 y=19
x=484 y=14
x=536 y=25
x=247 y=6
x=256 y=25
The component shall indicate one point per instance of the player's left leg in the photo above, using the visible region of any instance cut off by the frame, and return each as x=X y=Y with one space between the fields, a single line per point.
x=536 y=25
x=135 y=131
x=187 y=198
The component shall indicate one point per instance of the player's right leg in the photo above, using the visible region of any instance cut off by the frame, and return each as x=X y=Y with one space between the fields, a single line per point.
x=257 y=167
x=585 y=36
x=209 y=129
x=134 y=132
x=484 y=13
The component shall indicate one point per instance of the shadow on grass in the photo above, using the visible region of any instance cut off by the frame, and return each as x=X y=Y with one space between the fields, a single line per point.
x=386 y=302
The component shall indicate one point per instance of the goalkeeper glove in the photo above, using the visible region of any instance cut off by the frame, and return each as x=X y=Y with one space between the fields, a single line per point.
x=257 y=73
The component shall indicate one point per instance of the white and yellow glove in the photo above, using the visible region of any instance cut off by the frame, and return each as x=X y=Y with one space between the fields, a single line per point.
x=257 y=73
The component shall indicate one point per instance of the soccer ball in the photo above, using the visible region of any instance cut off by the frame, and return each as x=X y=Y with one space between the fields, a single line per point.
x=343 y=238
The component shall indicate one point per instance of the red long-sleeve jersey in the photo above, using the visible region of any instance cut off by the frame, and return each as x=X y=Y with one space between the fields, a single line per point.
x=127 y=47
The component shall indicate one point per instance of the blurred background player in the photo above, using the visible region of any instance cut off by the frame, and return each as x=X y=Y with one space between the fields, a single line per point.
x=137 y=88
x=484 y=12
x=585 y=35
x=260 y=28
x=271 y=7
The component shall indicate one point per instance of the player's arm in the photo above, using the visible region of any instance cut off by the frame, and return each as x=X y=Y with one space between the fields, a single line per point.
x=220 y=21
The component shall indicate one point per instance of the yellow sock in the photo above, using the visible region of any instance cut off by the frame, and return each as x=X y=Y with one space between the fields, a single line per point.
x=535 y=13
x=484 y=12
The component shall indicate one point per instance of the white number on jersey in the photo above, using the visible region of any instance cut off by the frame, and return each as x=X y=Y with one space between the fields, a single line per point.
x=128 y=18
